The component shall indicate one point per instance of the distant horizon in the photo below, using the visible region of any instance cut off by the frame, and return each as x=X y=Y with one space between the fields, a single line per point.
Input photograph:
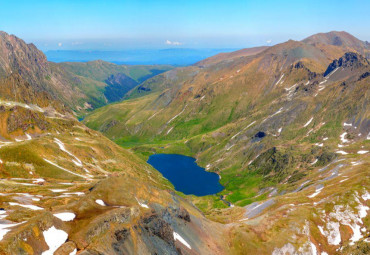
x=169 y=56
x=144 y=24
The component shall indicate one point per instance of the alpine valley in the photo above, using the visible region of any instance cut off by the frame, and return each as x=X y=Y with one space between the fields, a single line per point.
x=286 y=127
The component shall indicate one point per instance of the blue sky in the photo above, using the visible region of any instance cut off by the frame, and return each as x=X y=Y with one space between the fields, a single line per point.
x=121 y=24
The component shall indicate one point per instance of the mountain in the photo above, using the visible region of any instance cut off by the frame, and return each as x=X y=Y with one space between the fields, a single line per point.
x=65 y=188
x=230 y=55
x=78 y=86
x=287 y=128
x=342 y=39
x=99 y=75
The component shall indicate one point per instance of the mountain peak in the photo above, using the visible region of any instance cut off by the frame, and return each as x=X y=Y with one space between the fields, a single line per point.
x=349 y=59
x=336 y=38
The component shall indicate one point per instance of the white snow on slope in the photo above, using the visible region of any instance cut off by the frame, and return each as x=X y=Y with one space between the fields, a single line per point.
x=318 y=190
x=342 y=138
x=308 y=122
x=38 y=180
x=366 y=196
x=362 y=152
x=4 y=228
x=314 y=161
x=32 y=207
x=65 y=216
x=281 y=77
x=347 y=217
x=330 y=74
x=177 y=115
x=74 y=193
x=54 y=238
x=286 y=249
x=76 y=160
x=279 y=111
x=169 y=130
x=242 y=130
x=313 y=249
x=141 y=204
x=342 y=152
x=100 y=202
x=28 y=137
x=176 y=236
x=13 y=103
x=155 y=114
x=362 y=210
x=52 y=163
x=229 y=147
x=58 y=190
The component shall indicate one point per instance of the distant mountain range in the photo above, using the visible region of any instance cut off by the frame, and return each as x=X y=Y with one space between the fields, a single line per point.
x=176 y=57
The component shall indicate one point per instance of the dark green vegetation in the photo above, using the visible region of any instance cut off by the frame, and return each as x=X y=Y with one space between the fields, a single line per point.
x=106 y=82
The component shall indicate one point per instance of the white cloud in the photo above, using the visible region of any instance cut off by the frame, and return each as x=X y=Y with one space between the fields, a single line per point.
x=60 y=44
x=269 y=41
x=168 y=42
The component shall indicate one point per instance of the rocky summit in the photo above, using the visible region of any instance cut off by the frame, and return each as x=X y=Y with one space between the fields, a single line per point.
x=286 y=127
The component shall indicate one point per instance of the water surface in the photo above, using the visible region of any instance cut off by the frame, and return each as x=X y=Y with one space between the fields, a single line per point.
x=184 y=173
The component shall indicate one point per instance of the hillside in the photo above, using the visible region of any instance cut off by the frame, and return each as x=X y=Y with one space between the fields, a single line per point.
x=66 y=189
x=286 y=128
x=76 y=87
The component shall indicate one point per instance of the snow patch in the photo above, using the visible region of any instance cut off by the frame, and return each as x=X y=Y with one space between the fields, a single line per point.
x=318 y=190
x=100 y=202
x=54 y=238
x=342 y=152
x=342 y=138
x=366 y=196
x=58 y=190
x=362 y=152
x=314 y=162
x=4 y=228
x=308 y=122
x=177 y=115
x=32 y=207
x=176 y=236
x=141 y=204
x=169 y=130
x=76 y=160
x=281 y=77
x=52 y=163
x=65 y=216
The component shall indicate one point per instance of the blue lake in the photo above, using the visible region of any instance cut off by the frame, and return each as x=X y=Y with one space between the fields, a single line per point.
x=184 y=173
